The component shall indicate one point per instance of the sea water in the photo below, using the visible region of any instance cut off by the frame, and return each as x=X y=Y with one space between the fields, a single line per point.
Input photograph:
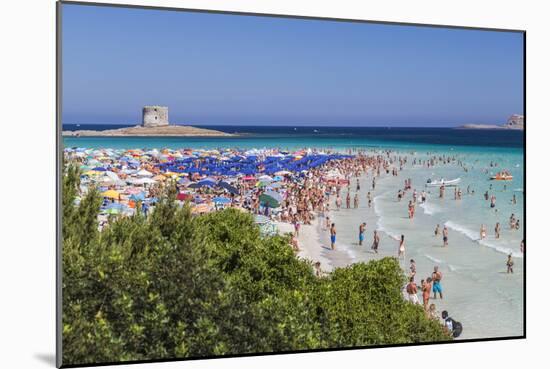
x=477 y=290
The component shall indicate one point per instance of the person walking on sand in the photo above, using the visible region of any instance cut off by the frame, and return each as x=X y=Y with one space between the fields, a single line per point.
x=412 y=290
x=332 y=236
x=510 y=265
x=401 y=250
x=348 y=200
x=445 y=236
x=375 y=242
x=362 y=227
x=356 y=201
x=436 y=287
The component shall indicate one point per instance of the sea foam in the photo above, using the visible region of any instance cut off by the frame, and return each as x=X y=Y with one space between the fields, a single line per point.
x=430 y=209
x=474 y=236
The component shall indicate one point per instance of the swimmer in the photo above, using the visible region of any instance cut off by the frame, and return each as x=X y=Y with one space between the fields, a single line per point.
x=445 y=236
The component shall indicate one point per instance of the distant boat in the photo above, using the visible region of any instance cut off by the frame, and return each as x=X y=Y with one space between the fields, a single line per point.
x=502 y=176
x=315 y=131
x=443 y=182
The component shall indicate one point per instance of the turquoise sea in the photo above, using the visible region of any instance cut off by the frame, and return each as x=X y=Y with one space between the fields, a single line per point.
x=478 y=292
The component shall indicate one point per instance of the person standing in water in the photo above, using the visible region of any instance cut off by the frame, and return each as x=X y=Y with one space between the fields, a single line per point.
x=375 y=242
x=401 y=250
x=426 y=290
x=436 y=231
x=332 y=236
x=356 y=201
x=436 y=287
x=369 y=197
x=497 y=230
x=482 y=232
x=362 y=233
x=445 y=236
x=510 y=265
x=522 y=246
x=412 y=268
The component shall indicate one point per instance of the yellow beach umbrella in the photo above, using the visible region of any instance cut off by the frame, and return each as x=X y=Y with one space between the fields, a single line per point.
x=112 y=194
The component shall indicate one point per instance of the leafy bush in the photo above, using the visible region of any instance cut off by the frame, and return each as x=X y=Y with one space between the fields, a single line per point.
x=174 y=285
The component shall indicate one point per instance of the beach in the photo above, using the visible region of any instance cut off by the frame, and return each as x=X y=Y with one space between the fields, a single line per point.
x=474 y=271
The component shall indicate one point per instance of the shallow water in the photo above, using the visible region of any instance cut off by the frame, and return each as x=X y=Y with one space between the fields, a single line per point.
x=477 y=290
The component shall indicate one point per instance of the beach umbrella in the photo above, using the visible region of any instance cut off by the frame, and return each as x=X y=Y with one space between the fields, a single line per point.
x=144 y=173
x=221 y=200
x=112 y=211
x=265 y=178
x=112 y=194
x=184 y=196
x=282 y=173
x=207 y=182
x=228 y=187
x=138 y=196
x=141 y=181
x=270 y=199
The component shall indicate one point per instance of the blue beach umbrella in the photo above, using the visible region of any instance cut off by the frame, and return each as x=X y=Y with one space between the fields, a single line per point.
x=221 y=200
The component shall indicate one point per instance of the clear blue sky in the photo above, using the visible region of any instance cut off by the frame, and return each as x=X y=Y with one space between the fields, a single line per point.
x=248 y=70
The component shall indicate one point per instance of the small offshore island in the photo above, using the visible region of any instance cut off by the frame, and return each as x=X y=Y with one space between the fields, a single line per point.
x=516 y=121
x=154 y=123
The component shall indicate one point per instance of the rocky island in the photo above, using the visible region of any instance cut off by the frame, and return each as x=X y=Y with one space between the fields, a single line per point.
x=154 y=123
x=516 y=121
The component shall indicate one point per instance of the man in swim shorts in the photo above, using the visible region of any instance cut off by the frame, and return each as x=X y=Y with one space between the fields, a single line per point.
x=332 y=236
x=362 y=233
x=436 y=286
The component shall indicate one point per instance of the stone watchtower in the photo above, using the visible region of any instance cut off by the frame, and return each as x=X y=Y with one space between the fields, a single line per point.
x=155 y=116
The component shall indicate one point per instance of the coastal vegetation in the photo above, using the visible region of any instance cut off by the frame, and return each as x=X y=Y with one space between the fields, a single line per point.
x=176 y=285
